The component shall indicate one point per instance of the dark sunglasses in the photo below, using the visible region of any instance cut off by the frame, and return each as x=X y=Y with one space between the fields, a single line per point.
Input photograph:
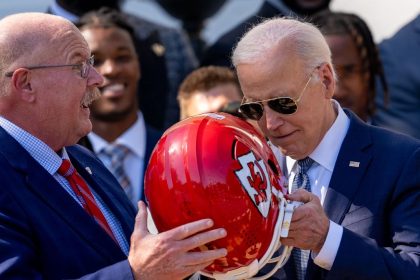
x=232 y=108
x=282 y=105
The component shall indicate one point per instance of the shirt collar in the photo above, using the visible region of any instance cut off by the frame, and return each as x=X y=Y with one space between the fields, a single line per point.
x=325 y=154
x=327 y=151
x=133 y=138
x=40 y=151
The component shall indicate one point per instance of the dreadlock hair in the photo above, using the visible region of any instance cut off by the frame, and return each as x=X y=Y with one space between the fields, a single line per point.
x=338 y=23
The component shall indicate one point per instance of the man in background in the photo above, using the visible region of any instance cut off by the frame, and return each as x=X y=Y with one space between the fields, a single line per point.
x=166 y=58
x=209 y=89
x=356 y=61
x=120 y=137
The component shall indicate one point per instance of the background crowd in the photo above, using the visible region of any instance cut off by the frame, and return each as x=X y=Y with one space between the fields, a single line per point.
x=153 y=76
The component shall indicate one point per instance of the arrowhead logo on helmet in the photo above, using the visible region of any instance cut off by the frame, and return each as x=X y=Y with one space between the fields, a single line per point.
x=253 y=177
x=218 y=166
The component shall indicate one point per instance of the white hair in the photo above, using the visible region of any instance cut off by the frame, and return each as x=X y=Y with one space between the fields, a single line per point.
x=305 y=39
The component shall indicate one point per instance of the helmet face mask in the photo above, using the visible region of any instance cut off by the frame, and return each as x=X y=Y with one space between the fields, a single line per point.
x=218 y=166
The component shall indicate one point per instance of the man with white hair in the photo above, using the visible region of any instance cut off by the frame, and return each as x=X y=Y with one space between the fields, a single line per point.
x=62 y=214
x=359 y=184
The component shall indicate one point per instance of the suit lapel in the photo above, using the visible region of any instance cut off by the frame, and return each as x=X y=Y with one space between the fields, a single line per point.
x=117 y=203
x=352 y=163
x=54 y=196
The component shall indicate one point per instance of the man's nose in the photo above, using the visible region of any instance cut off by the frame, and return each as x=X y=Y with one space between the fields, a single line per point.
x=272 y=119
x=94 y=78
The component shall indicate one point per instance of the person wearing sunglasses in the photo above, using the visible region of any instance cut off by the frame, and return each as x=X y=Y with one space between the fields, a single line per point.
x=63 y=215
x=359 y=185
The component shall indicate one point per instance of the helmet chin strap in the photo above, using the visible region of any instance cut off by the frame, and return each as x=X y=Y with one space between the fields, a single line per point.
x=281 y=230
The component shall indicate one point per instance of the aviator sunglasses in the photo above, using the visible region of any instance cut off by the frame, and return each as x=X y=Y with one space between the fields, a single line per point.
x=283 y=105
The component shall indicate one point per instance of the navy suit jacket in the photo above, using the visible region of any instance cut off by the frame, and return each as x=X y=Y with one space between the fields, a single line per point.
x=401 y=60
x=44 y=233
x=377 y=203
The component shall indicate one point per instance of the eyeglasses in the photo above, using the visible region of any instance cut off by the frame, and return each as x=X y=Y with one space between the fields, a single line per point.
x=282 y=105
x=84 y=67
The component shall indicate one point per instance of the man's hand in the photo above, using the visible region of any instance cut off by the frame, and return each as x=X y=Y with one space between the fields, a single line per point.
x=166 y=255
x=309 y=226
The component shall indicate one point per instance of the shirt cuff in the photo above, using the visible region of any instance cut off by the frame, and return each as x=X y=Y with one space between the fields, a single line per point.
x=326 y=256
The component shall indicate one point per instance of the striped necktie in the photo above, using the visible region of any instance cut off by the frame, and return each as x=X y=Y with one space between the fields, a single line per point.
x=84 y=195
x=116 y=154
x=301 y=180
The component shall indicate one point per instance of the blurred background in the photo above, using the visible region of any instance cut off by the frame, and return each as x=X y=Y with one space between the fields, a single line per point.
x=384 y=17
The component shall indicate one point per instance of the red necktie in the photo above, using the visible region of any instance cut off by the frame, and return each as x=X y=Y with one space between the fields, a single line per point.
x=84 y=194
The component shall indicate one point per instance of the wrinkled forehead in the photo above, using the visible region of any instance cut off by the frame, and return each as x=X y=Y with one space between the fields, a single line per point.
x=68 y=43
x=278 y=74
x=30 y=38
x=281 y=60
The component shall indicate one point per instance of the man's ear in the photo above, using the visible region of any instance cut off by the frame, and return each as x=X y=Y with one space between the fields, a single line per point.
x=21 y=83
x=327 y=79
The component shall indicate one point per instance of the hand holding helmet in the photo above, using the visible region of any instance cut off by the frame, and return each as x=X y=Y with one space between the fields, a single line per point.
x=167 y=255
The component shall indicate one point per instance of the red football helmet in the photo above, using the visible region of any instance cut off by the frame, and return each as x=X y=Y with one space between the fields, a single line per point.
x=218 y=166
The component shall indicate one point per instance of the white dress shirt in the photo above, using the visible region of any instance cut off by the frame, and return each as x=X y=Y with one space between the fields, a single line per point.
x=134 y=139
x=324 y=156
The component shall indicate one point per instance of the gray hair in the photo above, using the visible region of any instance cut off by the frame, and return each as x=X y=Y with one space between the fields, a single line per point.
x=306 y=40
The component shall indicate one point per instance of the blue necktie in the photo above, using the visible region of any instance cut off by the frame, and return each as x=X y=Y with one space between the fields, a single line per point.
x=117 y=153
x=301 y=180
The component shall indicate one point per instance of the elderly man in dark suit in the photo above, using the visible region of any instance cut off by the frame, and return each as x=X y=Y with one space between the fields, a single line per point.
x=62 y=214
x=359 y=184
